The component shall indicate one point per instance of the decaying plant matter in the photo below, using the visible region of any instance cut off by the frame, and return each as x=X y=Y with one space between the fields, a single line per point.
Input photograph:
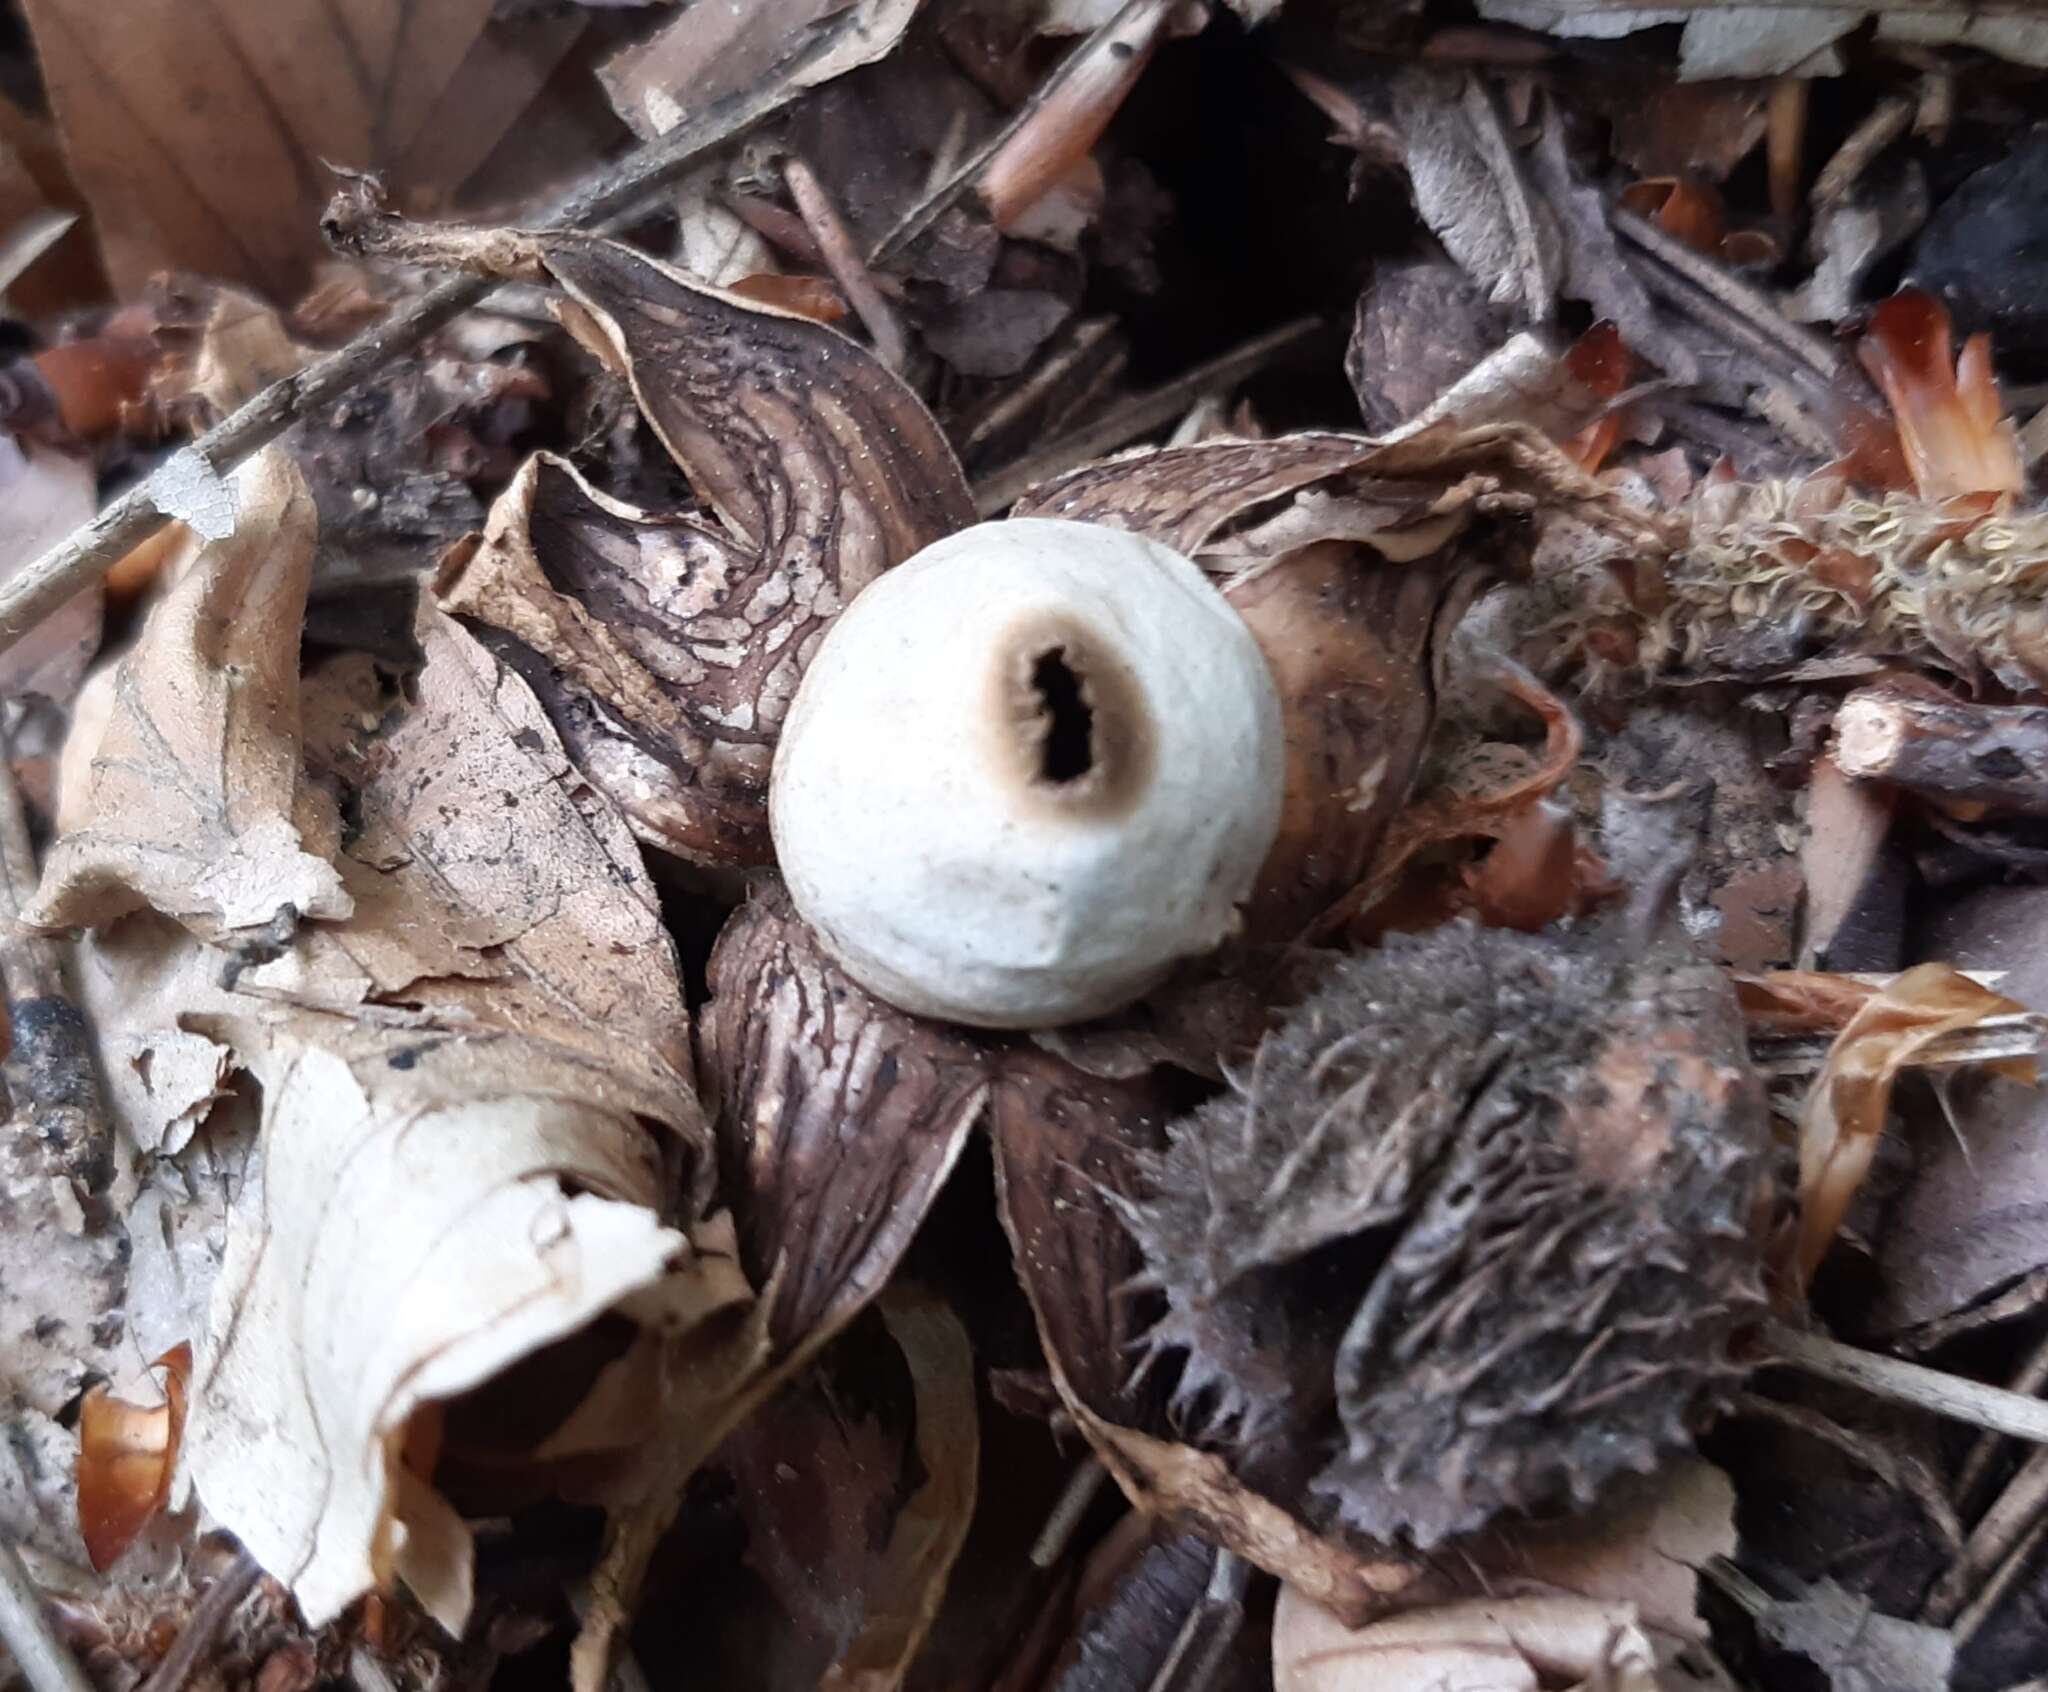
x=1486 y=1197
x=763 y=1014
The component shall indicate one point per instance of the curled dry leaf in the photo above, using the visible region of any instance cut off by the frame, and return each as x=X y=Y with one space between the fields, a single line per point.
x=126 y=1453
x=475 y=1073
x=470 y=1163
x=713 y=54
x=1498 y=1644
x=1801 y=1001
x=1405 y=493
x=668 y=650
x=197 y=807
x=1628 y=1572
x=1847 y=1104
x=1522 y=888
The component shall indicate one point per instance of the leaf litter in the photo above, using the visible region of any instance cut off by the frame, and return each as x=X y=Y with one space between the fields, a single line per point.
x=468 y=1217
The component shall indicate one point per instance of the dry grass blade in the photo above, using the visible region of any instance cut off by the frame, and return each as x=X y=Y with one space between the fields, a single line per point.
x=1846 y=1107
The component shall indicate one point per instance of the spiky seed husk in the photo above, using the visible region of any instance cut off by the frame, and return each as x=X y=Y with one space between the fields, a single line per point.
x=1472 y=1233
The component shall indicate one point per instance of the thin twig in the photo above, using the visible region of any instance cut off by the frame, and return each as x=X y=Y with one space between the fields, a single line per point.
x=1138 y=415
x=835 y=246
x=188 y=484
x=46 y=1663
x=1785 y=146
x=2001 y=1582
x=2019 y=1510
x=1736 y=297
x=202 y=1630
x=1084 y=63
x=1066 y=356
x=1888 y=120
x=1942 y=1394
x=2032 y=1376
x=1080 y=1491
x=1538 y=270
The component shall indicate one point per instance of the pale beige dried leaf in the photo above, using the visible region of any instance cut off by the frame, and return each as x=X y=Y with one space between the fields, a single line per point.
x=414 y=1235
x=708 y=53
x=1723 y=40
x=1478 y=1645
x=1846 y=1106
x=161 y=1084
x=238 y=116
x=1643 y=1547
x=495 y=892
x=452 y=1182
x=242 y=347
x=196 y=806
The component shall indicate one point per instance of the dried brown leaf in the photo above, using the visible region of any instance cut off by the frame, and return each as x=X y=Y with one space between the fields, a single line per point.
x=1951 y=419
x=1406 y=494
x=1064 y=1141
x=1802 y=1001
x=239 y=116
x=1470 y=190
x=1969 y=1223
x=908 y=1588
x=1846 y=1106
x=197 y=807
x=1496 y=813
x=126 y=1453
x=842 y=1117
x=1734 y=41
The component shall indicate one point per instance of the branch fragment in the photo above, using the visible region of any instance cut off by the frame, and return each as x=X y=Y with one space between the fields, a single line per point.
x=1990 y=755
